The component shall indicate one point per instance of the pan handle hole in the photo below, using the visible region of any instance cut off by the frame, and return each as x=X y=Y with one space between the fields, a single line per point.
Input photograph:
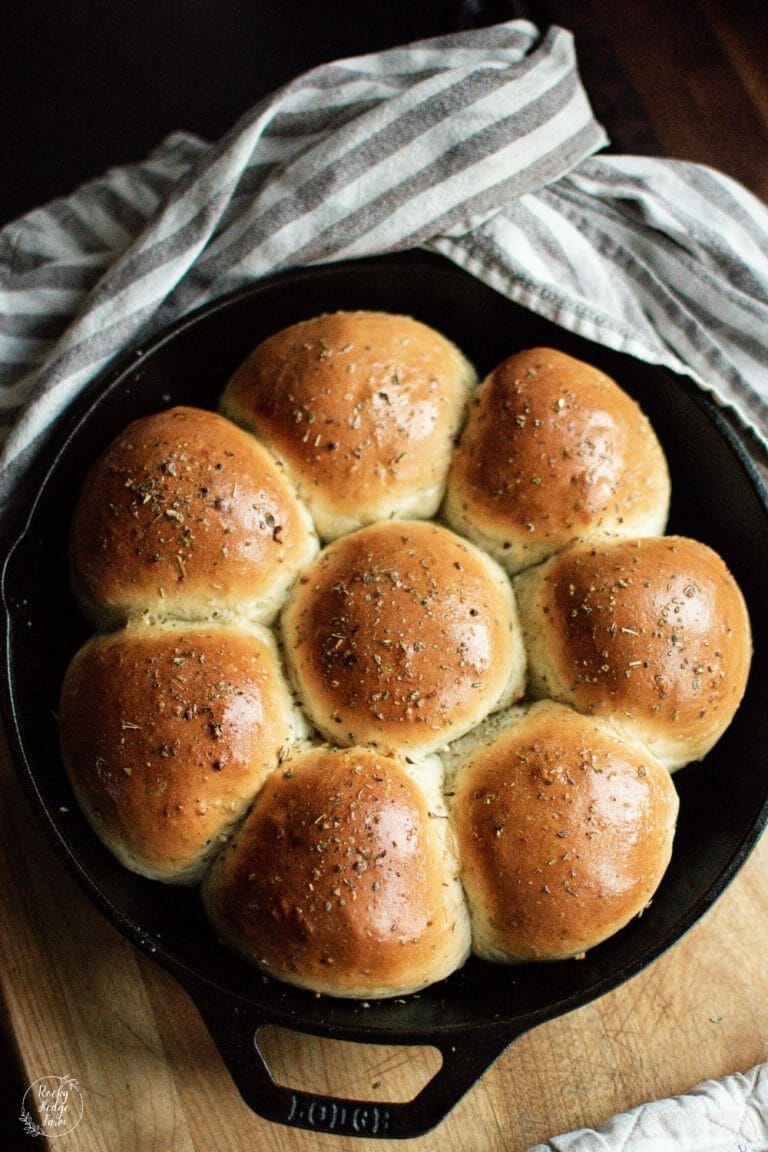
x=388 y=1072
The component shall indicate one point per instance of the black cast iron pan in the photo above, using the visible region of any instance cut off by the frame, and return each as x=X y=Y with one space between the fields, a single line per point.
x=473 y=1016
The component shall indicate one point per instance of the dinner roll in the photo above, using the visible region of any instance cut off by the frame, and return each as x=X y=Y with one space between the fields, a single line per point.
x=186 y=515
x=651 y=632
x=553 y=450
x=167 y=732
x=564 y=831
x=402 y=635
x=343 y=877
x=362 y=408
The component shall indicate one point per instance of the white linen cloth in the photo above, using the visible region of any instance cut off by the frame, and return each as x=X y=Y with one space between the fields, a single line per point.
x=480 y=146
x=729 y=1115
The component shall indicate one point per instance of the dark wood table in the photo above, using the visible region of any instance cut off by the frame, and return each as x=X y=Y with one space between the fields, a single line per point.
x=87 y=85
x=687 y=80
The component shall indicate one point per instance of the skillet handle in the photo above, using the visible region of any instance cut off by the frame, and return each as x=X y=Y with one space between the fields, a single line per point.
x=234 y=1031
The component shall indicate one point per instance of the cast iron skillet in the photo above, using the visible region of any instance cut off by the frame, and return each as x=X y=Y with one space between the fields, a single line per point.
x=473 y=1016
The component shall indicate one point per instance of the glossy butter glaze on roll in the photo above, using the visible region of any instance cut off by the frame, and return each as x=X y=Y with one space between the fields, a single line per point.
x=564 y=831
x=482 y=547
x=652 y=634
x=402 y=635
x=167 y=732
x=554 y=450
x=186 y=515
x=362 y=408
x=343 y=878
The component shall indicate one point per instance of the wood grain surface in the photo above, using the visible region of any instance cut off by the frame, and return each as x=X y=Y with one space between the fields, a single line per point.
x=688 y=80
x=82 y=1001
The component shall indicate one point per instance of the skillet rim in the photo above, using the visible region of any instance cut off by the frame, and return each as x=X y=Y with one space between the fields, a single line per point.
x=365 y=1028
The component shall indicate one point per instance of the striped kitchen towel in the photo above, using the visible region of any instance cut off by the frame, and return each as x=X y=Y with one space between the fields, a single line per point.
x=479 y=145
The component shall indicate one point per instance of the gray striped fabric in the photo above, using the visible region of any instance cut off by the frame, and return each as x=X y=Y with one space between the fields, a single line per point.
x=479 y=146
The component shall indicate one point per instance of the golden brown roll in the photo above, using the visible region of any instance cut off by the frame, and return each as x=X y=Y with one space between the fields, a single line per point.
x=186 y=515
x=553 y=450
x=402 y=635
x=564 y=830
x=343 y=878
x=652 y=633
x=167 y=732
x=362 y=408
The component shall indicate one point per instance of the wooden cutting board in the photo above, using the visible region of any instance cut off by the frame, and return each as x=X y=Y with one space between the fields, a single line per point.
x=82 y=1002
x=78 y=1000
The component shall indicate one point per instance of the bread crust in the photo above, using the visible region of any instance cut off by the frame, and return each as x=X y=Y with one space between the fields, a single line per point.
x=553 y=449
x=406 y=643
x=167 y=733
x=185 y=515
x=402 y=635
x=564 y=830
x=343 y=879
x=362 y=408
x=653 y=633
